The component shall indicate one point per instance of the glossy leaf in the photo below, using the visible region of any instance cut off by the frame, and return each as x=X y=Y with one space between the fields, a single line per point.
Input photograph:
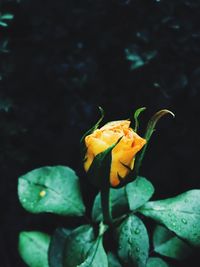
x=180 y=214
x=33 y=248
x=96 y=256
x=139 y=192
x=168 y=244
x=118 y=202
x=78 y=245
x=51 y=189
x=156 y=262
x=133 y=242
x=56 y=247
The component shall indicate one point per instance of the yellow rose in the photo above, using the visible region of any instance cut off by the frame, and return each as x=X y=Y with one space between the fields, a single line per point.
x=123 y=154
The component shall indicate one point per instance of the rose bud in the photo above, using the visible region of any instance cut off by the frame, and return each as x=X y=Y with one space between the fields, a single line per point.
x=123 y=154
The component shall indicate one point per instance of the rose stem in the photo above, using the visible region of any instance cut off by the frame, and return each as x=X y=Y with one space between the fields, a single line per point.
x=105 y=204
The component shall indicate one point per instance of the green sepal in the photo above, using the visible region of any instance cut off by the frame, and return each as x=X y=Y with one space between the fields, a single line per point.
x=90 y=131
x=149 y=131
x=99 y=171
x=136 y=116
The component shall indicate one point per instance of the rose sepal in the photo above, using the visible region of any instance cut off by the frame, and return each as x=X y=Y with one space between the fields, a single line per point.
x=132 y=175
x=149 y=131
x=90 y=131
x=99 y=171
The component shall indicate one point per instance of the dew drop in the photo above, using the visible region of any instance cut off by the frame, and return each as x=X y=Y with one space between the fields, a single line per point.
x=137 y=249
x=184 y=221
x=174 y=224
x=130 y=254
x=137 y=231
x=130 y=241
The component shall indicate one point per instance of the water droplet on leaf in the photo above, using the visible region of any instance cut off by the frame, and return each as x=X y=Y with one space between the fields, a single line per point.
x=130 y=241
x=137 y=231
x=137 y=249
x=184 y=221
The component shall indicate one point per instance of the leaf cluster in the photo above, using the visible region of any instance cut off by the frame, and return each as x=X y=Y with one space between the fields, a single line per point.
x=57 y=190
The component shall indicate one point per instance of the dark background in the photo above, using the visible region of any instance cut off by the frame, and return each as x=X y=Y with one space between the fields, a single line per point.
x=65 y=58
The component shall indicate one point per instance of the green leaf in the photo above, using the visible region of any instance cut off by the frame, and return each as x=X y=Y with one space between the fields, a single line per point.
x=56 y=247
x=139 y=192
x=118 y=203
x=168 y=244
x=136 y=116
x=51 y=189
x=156 y=262
x=33 y=247
x=133 y=242
x=77 y=245
x=180 y=214
x=96 y=256
x=7 y=16
x=112 y=260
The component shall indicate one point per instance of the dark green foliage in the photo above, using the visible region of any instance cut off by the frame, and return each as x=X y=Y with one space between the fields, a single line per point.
x=168 y=244
x=139 y=192
x=51 y=189
x=133 y=242
x=33 y=247
x=180 y=214
x=57 y=247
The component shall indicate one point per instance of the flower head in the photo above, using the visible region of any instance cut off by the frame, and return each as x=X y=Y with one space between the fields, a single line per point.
x=123 y=154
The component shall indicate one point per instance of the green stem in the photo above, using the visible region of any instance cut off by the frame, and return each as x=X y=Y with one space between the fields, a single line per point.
x=105 y=204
